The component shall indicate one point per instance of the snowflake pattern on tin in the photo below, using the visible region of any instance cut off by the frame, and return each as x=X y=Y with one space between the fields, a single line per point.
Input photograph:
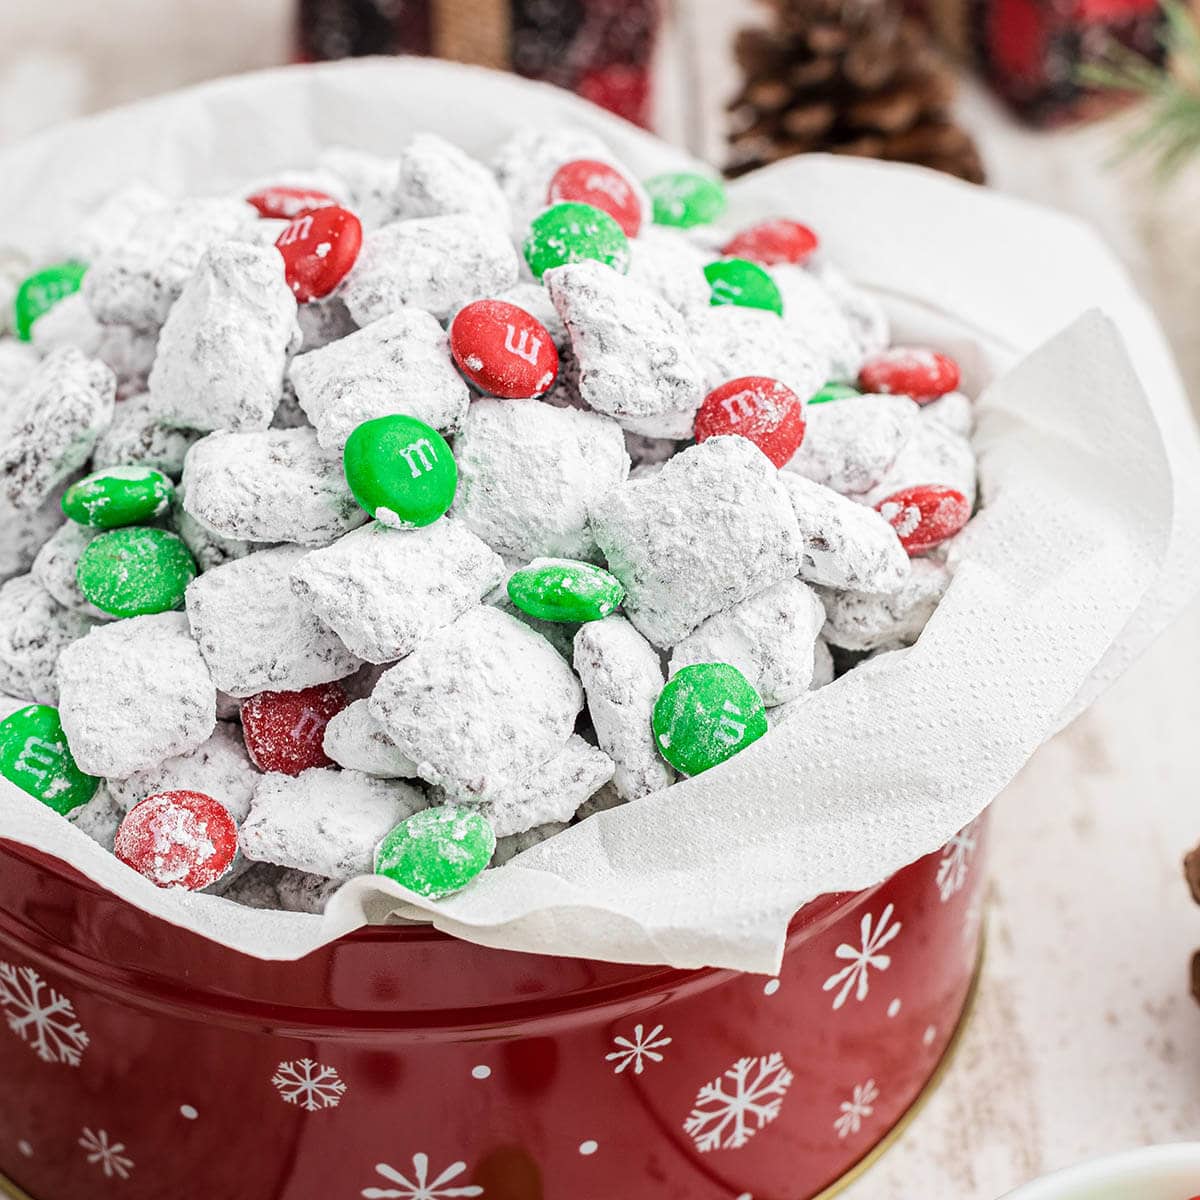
x=421 y=1187
x=108 y=1155
x=955 y=863
x=864 y=958
x=724 y=1119
x=638 y=1050
x=40 y=1016
x=311 y=1085
x=857 y=1109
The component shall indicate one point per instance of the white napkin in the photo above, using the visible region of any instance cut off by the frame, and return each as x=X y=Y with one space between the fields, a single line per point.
x=1089 y=543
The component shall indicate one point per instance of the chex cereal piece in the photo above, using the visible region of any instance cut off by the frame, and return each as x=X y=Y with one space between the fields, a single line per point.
x=434 y=263
x=370 y=180
x=528 y=472
x=859 y=622
x=635 y=356
x=134 y=693
x=68 y=323
x=850 y=444
x=357 y=741
x=300 y=891
x=324 y=821
x=99 y=818
x=954 y=411
x=323 y=321
x=224 y=346
x=847 y=545
x=934 y=454
x=607 y=797
x=382 y=591
x=823 y=668
x=109 y=224
x=207 y=547
x=24 y=531
x=650 y=452
x=34 y=630
x=138 y=436
x=732 y=341
x=552 y=791
x=815 y=317
x=288 y=413
x=559 y=634
x=274 y=485
x=55 y=566
x=18 y=361
x=713 y=527
x=399 y=364
x=622 y=677
x=255 y=887
x=218 y=767
x=256 y=634
x=525 y=164
x=672 y=266
x=867 y=319
x=769 y=638
x=478 y=703
x=507 y=848
x=53 y=424
x=435 y=177
x=129 y=353
x=142 y=275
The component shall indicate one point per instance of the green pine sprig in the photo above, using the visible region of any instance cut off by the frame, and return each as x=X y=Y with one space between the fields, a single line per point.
x=1170 y=135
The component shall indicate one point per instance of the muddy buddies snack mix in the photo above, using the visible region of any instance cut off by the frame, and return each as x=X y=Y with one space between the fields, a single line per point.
x=393 y=515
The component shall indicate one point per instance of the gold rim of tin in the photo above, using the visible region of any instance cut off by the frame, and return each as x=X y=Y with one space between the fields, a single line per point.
x=864 y=1164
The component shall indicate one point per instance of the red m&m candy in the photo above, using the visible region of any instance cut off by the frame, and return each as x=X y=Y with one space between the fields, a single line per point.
x=318 y=249
x=763 y=410
x=285 y=731
x=288 y=202
x=771 y=242
x=503 y=349
x=588 y=181
x=925 y=515
x=178 y=840
x=924 y=375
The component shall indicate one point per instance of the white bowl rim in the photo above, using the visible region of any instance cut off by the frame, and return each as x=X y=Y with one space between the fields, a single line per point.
x=1143 y=1166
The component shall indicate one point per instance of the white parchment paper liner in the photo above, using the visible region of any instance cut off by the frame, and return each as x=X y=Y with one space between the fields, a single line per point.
x=1089 y=543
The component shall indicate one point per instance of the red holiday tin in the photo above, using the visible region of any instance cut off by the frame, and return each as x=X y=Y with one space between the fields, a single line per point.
x=140 y=1060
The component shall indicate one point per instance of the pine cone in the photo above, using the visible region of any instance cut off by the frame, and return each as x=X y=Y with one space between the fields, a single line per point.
x=847 y=77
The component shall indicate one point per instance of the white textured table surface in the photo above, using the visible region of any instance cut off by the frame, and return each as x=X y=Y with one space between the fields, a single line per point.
x=1085 y=1039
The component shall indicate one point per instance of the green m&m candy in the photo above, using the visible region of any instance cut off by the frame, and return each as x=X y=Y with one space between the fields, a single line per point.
x=437 y=851
x=572 y=232
x=118 y=496
x=684 y=199
x=134 y=571
x=400 y=470
x=564 y=589
x=834 y=391
x=706 y=714
x=739 y=281
x=35 y=756
x=41 y=291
